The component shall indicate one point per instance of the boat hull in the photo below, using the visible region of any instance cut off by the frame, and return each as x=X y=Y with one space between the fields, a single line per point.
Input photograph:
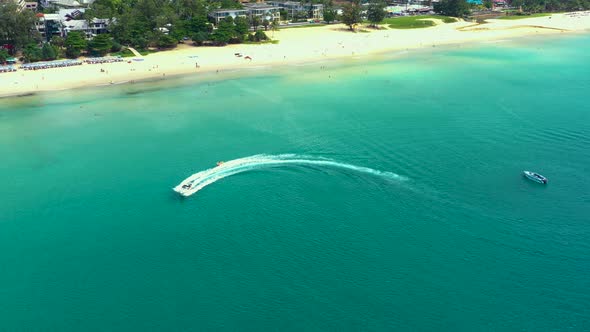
x=535 y=177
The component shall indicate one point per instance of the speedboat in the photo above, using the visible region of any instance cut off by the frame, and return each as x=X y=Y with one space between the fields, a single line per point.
x=535 y=177
x=186 y=187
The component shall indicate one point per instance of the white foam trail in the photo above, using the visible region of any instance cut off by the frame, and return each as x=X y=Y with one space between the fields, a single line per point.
x=204 y=178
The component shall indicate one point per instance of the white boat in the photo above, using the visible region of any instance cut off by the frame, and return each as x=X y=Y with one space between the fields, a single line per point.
x=197 y=181
x=535 y=177
x=186 y=187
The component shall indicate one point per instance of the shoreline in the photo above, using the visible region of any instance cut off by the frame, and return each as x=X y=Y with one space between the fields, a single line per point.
x=296 y=47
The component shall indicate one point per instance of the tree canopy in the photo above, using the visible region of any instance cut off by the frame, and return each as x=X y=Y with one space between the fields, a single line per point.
x=140 y=23
x=17 y=28
x=455 y=8
x=351 y=13
x=32 y=53
x=225 y=31
x=376 y=12
x=329 y=14
x=100 y=45
x=3 y=55
x=48 y=52
x=74 y=44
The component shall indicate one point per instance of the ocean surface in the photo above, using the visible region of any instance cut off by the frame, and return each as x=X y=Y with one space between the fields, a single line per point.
x=381 y=194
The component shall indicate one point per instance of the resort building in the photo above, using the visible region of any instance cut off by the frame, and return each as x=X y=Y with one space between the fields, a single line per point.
x=90 y=29
x=294 y=9
x=31 y=6
x=263 y=11
x=271 y=11
x=500 y=3
x=57 y=4
x=219 y=15
x=49 y=25
x=68 y=20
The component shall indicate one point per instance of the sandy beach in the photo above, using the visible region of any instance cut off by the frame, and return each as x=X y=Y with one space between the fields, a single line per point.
x=295 y=46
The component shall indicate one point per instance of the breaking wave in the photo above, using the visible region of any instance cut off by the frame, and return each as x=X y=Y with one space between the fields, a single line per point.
x=204 y=178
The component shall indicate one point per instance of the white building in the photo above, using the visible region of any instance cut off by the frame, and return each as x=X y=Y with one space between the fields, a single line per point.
x=68 y=20
x=219 y=15
x=49 y=25
x=263 y=11
x=65 y=3
x=293 y=8
x=96 y=27
x=31 y=6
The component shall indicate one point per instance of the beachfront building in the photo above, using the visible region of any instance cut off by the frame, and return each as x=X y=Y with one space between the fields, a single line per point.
x=500 y=3
x=71 y=20
x=49 y=25
x=68 y=20
x=31 y=6
x=408 y=10
x=65 y=4
x=294 y=9
x=90 y=29
x=218 y=15
x=263 y=11
x=316 y=10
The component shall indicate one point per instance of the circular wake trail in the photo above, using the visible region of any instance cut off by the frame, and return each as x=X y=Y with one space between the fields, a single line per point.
x=204 y=178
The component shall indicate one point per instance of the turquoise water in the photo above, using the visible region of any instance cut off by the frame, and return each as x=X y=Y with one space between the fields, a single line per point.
x=430 y=226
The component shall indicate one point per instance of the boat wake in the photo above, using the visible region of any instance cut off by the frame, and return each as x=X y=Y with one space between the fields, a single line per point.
x=200 y=180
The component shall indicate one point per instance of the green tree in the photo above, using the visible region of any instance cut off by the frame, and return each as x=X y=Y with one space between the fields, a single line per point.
x=254 y=22
x=265 y=24
x=241 y=25
x=260 y=35
x=329 y=14
x=187 y=9
x=100 y=45
x=105 y=9
x=455 y=8
x=180 y=30
x=488 y=4
x=3 y=55
x=284 y=14
x=57 y=41
x=225 y=31
x=230 y=4
x=166 y=41
x=32 y=53
x=200 y=23
x=48 y=52
x=351 y=13
x=74 y=44
x=17 y=28
x=200 y=37
x=116 y=47
x=376 y=12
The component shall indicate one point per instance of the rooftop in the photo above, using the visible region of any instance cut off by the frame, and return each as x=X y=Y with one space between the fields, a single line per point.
x=259 y=6
x=229 y=10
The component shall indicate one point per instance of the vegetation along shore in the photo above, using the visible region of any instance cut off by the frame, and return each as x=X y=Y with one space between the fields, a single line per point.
x=158 y=39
